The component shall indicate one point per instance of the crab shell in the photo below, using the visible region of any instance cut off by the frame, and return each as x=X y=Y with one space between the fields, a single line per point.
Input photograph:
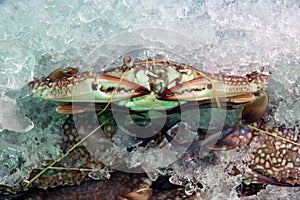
x=276 y=158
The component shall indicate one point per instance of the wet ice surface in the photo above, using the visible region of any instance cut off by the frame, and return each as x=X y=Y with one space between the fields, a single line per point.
x=233 y=37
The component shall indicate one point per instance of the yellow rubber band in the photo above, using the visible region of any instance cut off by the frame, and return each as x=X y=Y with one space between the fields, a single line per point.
x=274 y=135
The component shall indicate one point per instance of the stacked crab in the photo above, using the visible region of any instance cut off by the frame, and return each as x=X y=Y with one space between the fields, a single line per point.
x=140 y=107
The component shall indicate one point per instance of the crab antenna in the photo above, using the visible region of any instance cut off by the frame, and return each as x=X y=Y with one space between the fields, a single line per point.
x=78 y=169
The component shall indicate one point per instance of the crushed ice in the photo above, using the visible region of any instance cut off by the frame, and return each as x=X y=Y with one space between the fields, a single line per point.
x=234 y=37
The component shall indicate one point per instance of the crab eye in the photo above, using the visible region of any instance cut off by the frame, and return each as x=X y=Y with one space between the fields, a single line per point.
x=209 y=86
x=94 y=85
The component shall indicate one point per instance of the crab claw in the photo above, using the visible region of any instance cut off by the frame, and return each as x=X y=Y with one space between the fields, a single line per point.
x=194 y=90
x=86 y=87
x=260 y=178
x=105 y=88
x=141 y=194
x=255 y=110
x=202 y=90
x=275 y=157
x=229 y=138
x=233 y=137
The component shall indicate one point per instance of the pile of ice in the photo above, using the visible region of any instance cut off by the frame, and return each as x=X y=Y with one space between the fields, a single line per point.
x=229 y=36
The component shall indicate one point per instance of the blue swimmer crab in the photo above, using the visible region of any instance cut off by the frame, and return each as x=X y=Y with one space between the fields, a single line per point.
x=140 y=85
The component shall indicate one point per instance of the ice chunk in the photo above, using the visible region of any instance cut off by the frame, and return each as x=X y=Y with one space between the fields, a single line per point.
x=16 y=66
x=11 y=118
